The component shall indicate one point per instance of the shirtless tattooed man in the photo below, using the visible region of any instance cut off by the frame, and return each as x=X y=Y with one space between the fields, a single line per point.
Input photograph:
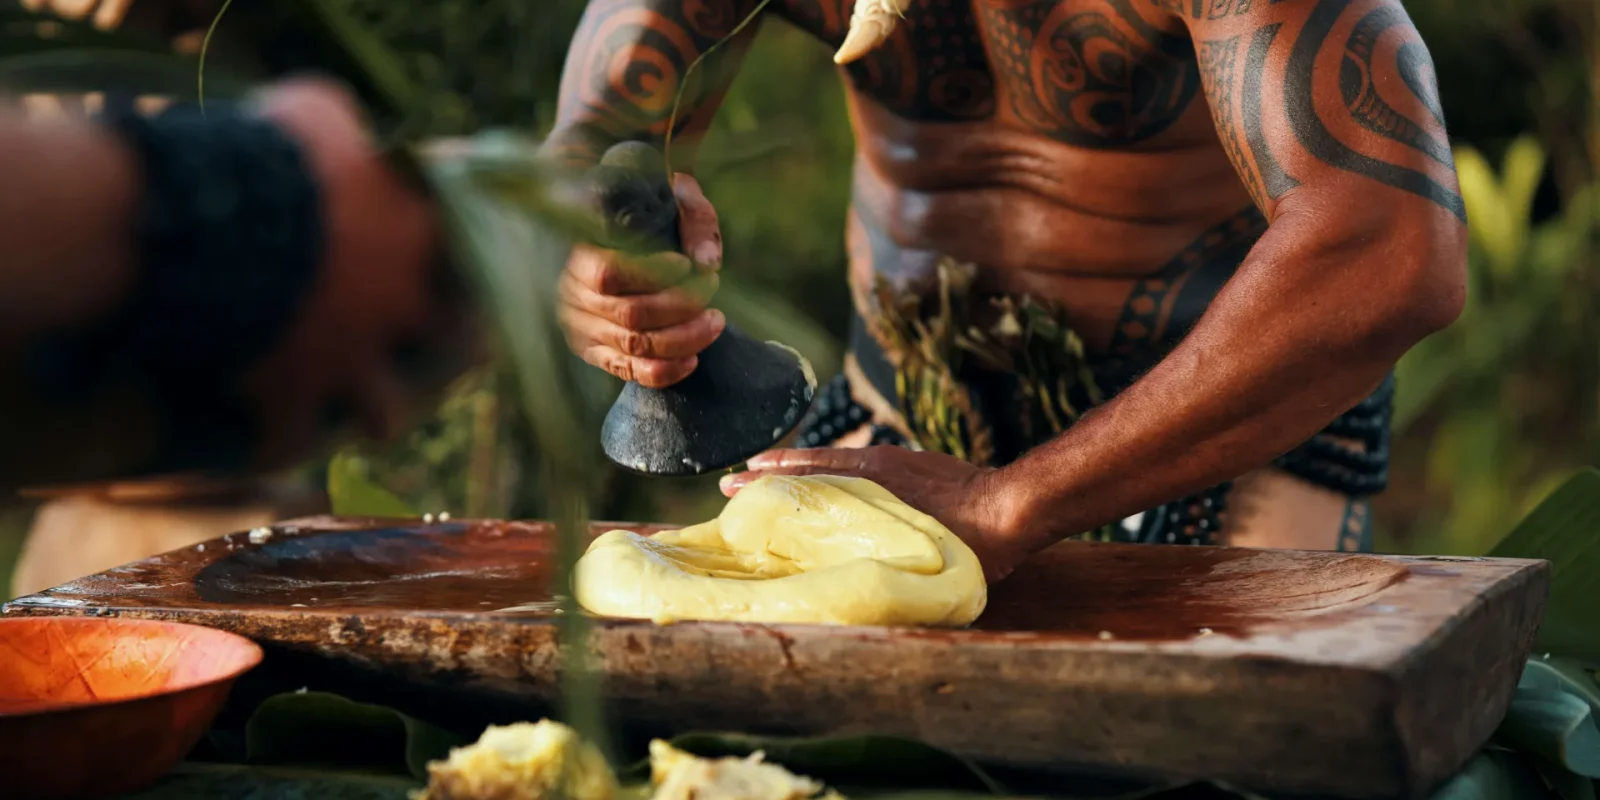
x=1180 y=246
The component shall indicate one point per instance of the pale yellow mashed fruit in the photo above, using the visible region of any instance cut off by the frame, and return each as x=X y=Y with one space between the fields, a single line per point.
x=812 y=549
x=524 y=761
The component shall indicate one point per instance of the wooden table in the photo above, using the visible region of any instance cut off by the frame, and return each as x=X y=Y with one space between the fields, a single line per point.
x=1332 y=674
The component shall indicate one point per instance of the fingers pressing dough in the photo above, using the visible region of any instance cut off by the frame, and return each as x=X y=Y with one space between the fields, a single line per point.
x=791 y=549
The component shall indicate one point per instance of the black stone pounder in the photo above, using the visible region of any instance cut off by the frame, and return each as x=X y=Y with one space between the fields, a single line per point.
x=742 y=398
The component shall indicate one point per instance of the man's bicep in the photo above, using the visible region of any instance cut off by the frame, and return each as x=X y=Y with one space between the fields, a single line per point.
x=1325 y=93
x=632 y=71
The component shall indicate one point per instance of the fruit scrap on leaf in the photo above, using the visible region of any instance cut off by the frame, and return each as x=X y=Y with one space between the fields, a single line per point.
x=549 y=761
x=676 y=775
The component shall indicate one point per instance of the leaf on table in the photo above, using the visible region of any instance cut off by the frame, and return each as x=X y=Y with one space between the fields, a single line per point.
x=326 y=730
x=210 y=781
x=1562 y=530
x=353 y=494
x=1494 y=775
x=852 y=761
x=1562 y=675
x=1556 y=726
x=1564 y=783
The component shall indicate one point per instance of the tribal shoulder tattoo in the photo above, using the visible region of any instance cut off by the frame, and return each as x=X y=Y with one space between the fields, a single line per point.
x=1300 y=87
x=1092 y=74
x=628 y=60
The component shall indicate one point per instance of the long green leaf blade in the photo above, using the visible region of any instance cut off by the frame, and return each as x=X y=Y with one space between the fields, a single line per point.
x=1565 y=530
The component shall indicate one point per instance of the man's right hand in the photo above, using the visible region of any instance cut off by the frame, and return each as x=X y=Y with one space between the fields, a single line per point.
x=644 y=319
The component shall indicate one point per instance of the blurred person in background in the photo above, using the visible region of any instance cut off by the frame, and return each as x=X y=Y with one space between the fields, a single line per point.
x=1135 y=269
x=204 y=294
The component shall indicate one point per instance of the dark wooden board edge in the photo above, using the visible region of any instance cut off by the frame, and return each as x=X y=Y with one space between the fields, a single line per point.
x=1375 y=709
x=1446 y=710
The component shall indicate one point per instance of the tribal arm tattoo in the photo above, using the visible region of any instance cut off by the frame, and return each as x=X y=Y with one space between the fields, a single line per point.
x=626 y=64
x=1328 y=110
x=1315 y=92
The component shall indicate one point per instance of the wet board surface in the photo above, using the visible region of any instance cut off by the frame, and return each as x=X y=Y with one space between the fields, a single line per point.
x=1322 y=673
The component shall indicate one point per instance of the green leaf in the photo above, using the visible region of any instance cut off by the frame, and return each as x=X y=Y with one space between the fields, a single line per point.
x=1493 y=775
x=1562 y=531
x=1556 y=726
x=1561 y=675
x=326 y=730
x=1521 y=172
x=195 y=781
x=1566 y=784
x=854 y=761
x=1489 y=215
x=353 y=494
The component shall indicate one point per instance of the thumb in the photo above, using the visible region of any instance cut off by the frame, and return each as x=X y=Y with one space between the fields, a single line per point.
x=697 y=222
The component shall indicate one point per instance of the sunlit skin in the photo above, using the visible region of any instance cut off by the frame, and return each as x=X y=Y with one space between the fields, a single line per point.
x=1076 y=150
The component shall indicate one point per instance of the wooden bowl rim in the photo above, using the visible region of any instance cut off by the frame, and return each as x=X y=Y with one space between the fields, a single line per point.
x=253 y=656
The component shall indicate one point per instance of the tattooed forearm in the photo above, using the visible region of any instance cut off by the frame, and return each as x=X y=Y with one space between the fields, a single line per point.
x=629 y=59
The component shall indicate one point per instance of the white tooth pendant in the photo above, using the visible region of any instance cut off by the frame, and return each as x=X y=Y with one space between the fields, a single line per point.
x=870 y=25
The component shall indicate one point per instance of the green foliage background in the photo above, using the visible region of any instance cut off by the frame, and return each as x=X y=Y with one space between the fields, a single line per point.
x=1492 y=412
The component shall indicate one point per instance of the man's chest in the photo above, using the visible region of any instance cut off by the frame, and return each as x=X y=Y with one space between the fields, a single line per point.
x=1091 y=73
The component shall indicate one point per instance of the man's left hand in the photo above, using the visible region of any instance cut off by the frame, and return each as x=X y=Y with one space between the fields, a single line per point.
x=950 y=490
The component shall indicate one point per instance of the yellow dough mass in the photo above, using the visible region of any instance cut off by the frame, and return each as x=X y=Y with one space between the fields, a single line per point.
x=812 y=549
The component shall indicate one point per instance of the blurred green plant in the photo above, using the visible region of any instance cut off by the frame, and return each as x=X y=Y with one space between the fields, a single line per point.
x=1506 y=396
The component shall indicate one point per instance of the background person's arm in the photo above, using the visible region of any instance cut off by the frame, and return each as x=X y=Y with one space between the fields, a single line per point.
x=1329 y=110
x=69 y=254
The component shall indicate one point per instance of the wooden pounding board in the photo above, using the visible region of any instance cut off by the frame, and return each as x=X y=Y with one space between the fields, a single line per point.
x=1322 y=673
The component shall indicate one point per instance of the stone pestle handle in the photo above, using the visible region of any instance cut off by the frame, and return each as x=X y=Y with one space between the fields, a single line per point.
x=744 y=396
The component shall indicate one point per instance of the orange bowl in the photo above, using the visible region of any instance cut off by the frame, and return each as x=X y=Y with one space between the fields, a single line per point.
x=99 y=706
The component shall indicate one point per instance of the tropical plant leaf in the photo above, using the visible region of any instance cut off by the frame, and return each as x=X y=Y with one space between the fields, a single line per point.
x=850 y=761
x=210 y=781
x=1561 y=675
x=1556 y=726
x=353 y=494
x=1521 y=172
x=1494 y=775
x=1487 y=210
x=326 y=730
x=1562 y=530
x=1564 y=783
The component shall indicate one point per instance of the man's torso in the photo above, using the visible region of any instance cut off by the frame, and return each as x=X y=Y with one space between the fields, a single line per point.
x=1062 y=146
x=1065 y=148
